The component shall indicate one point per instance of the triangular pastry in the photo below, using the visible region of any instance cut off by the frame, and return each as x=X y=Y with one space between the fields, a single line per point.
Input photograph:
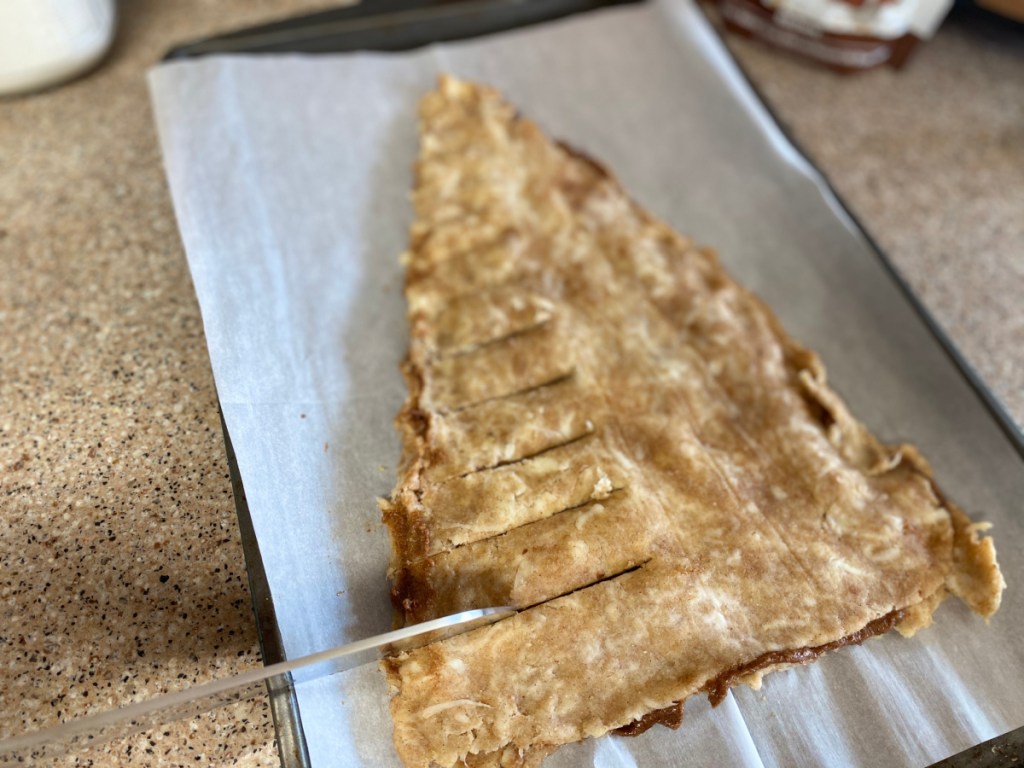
x=606 y=431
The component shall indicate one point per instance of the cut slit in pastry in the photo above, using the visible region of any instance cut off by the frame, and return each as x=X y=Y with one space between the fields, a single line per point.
x=606 y=431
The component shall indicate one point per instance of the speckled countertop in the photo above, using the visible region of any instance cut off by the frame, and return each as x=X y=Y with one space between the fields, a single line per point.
x=121 y=570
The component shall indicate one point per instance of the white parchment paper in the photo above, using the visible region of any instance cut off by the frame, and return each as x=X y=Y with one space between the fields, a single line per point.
x=290 y=178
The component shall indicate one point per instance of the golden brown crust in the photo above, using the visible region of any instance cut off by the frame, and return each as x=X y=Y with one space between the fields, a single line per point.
x=608 y=432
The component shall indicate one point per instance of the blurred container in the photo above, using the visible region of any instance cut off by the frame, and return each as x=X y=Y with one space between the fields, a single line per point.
x=846 y=35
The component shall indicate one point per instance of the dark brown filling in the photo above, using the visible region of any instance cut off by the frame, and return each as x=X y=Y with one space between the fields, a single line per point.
x=671 y=716
x=719 y=687
x=411 y=594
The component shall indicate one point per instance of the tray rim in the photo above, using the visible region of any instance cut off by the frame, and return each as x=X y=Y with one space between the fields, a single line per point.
x=351 y=20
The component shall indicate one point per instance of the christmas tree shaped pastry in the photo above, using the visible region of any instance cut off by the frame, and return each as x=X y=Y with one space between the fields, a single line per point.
x=606 y=431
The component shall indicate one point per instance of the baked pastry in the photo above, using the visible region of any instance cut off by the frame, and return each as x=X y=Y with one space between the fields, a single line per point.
x=606 y=431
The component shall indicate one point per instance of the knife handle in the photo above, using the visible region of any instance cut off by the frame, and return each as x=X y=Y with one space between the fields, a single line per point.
x=99 y=728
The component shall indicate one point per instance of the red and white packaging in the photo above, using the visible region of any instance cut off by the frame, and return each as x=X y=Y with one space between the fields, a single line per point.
x=846 y=35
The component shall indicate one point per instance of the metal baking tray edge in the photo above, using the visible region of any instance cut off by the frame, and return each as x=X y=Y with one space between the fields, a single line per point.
x=395 y=25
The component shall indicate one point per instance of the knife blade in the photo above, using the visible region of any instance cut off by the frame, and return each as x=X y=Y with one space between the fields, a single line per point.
x=93 y=730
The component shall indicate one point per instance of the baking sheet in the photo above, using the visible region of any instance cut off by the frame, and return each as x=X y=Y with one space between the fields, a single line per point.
x=290 y=178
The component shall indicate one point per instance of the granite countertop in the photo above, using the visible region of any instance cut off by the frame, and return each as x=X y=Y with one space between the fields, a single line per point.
x=121 y=570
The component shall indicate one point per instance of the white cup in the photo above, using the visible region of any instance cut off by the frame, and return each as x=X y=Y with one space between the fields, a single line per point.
x=44 y=42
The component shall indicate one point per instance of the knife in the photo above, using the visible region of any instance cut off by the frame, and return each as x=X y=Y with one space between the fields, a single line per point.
x=93 y=730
